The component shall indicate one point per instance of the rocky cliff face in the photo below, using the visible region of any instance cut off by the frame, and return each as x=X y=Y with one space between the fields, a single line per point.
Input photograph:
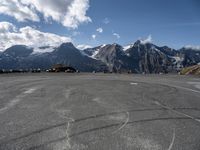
x=138 y=57
x=191 y=56
x=115 y=58
x=150 y=58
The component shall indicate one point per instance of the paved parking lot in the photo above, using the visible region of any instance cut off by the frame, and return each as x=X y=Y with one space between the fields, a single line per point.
x=99 y=112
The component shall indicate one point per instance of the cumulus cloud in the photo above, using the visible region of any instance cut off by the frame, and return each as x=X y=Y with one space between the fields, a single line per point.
x=100 y=30
x=116 y=35
x=70 y=13
x=18 y=10
x=146 y=40
x=10 y=35
x=83 y=46
x=94 y=36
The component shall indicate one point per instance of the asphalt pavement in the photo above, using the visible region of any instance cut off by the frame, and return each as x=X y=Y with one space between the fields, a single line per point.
x=60 y=111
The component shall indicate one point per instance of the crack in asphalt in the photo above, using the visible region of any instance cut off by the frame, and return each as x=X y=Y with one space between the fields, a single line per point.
x=67 y=132
x=173 y=139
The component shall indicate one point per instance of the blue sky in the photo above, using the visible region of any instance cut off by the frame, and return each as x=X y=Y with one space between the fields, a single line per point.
x=175 y=23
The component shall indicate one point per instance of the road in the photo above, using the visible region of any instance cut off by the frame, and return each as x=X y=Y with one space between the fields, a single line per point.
x=49 y=111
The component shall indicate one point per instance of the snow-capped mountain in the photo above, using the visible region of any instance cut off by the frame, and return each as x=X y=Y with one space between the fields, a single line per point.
x=92 y=52
x=22 y=57
x=138 y=57
x=143 y=57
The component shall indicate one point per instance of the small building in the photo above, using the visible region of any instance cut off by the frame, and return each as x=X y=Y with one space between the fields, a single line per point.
x=62 y=68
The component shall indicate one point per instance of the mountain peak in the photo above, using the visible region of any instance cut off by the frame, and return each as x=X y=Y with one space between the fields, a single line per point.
x=18 y=51
x=116 y=46
x=138 y=42
x=67 y=44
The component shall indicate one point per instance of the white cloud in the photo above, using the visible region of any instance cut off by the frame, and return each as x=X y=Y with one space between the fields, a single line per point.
x=100 y=30
x=18 y=10
x=83 y=46
x=106 y=21
x=116 y=35
x=29 y=36
x=192 y=47
x=70 y=13
x=146 y=40
x=6 y=26
x=94 y=36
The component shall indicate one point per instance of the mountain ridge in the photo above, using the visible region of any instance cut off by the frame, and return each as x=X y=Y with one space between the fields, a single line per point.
x=138 y=58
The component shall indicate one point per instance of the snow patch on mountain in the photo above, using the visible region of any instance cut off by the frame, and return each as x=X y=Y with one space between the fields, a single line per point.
x=127 y=47
x=97 y=51
x=177 y=61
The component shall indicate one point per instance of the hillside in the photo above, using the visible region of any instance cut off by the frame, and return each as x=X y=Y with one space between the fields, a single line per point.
x=193 y=70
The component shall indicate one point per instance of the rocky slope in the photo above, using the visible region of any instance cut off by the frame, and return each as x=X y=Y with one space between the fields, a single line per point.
x=144 y=57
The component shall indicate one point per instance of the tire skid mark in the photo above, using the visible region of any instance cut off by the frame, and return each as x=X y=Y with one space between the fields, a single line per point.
x=187 y=89
x=123 y=125
x=106 y=127
x=33 y=133
x=155 y=101
x=133 y=110
x=172 y=90
x=90 y=117
x=129 y=123
x=177 y=112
